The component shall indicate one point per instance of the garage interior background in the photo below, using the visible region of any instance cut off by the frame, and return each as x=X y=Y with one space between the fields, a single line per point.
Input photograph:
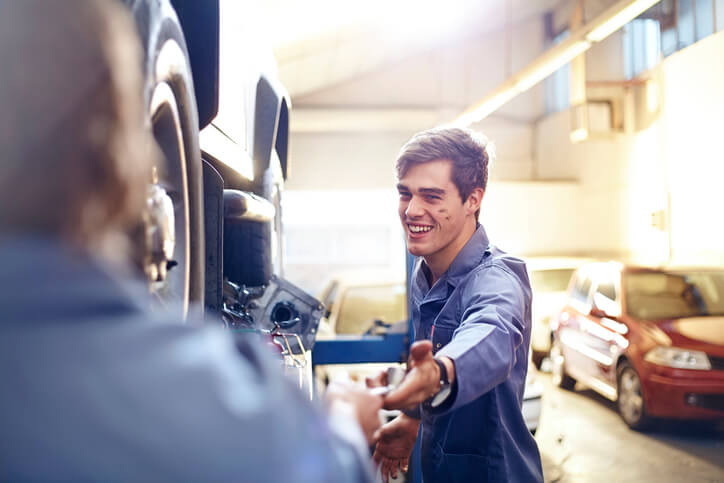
x=364 y=76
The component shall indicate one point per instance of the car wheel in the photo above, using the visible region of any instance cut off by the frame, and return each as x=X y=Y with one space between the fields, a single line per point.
x=560 y=377
x=630 y=399
x=174 y=225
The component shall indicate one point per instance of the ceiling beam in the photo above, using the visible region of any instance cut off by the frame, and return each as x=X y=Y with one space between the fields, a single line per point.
x=556 y=57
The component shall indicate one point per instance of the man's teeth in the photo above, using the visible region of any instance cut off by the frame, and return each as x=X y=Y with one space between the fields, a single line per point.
x=419 y=229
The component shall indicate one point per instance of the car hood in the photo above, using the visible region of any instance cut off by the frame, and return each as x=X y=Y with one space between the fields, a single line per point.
x=700 y=333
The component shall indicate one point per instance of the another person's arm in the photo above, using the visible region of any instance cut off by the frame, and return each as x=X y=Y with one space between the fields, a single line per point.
x=245 y=421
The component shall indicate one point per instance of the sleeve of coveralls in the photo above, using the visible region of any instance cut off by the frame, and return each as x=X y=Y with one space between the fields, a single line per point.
x=483 y=346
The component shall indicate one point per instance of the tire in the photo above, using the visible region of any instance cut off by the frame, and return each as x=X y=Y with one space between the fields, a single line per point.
x=173 y=119
x=560 y=377
x=254 y=250
x=630 y=401
x=248 y=253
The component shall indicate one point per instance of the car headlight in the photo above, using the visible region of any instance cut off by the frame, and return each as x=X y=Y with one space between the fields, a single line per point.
x=678 y=358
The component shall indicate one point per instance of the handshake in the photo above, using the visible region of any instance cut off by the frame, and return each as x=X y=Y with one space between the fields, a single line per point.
x=394 y=389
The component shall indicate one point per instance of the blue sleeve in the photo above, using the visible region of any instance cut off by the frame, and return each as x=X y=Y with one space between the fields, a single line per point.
x=483 y=347
x=244 y=420
x=306 y=438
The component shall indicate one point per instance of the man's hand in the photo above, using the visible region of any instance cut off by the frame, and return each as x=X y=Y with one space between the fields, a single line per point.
x=396 y=440
x=365 y=407
x=421 y=382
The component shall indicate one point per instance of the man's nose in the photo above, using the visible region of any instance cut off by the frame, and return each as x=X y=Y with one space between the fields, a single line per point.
x=414 y=208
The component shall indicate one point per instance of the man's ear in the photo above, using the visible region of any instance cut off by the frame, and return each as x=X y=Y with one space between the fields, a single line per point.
x=475 y=199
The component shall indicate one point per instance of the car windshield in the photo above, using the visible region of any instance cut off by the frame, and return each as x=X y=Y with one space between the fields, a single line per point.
x=660 y=295
x=551 y=280
x=361 y=306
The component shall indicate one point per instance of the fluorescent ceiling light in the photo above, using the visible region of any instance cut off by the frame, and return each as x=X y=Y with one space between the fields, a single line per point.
x=548 y=66
x=530 y=76
x=624 y=14
x=485 y=107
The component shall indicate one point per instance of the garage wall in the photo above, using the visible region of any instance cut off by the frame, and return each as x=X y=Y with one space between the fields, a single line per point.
x=641 y=196
x=650 y=195
x=692 y=127
x=443 y=81
x=524 y=217
x=599 y=168
x=344 y=161
x=333 y=231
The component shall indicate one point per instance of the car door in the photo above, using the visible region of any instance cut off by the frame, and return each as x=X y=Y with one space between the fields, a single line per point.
x=572 y=324
x=604 y=333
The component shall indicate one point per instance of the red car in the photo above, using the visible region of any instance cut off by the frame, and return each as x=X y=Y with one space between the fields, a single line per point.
x=650 y=339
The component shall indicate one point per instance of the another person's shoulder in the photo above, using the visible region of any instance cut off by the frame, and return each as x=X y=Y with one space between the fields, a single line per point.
x=196 y=346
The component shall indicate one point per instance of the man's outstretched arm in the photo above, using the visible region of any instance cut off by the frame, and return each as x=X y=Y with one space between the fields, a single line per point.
x=483 y=348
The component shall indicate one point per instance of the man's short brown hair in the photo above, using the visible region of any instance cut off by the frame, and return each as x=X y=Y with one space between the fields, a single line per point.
x=468 y=152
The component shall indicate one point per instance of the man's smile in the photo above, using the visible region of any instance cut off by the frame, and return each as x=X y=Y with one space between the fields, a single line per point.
x=417 y=230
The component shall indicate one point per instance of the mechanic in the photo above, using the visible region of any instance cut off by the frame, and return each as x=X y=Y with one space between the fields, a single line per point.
x=97 y=385
x=471 y=310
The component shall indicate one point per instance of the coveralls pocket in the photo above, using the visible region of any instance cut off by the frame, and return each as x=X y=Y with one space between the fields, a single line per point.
x=463 y=461
x=464 y=468
x=441 y=335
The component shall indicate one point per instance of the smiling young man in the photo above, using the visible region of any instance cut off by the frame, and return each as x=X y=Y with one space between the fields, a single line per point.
x=470 y=305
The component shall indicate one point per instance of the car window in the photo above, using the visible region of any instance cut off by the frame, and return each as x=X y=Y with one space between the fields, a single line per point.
x=661 y=295
x=360 y=306
x=607 y=289
x=551 y=280
x=581 y=287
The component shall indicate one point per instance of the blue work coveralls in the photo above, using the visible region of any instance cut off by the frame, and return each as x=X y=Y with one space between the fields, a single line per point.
x=95 y=386
x=479 y=315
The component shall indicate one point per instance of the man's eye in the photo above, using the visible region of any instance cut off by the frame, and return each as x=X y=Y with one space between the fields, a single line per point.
x=404 y=196
x=432 y=197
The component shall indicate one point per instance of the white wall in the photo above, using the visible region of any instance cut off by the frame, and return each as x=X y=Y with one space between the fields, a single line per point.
x=444 y=81
x=534 y=218
x=332 y=231
x=344 y=161
x=674 y=167
x=692 y=128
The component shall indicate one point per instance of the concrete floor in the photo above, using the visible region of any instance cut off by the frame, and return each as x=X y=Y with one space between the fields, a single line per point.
x=582 y=439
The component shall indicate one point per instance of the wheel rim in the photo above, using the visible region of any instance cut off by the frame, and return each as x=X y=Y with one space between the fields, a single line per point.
x=630 y=398
x=169 y=274
x=557 y=362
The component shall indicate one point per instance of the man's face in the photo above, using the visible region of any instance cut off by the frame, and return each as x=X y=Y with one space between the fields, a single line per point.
x=436 y=220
